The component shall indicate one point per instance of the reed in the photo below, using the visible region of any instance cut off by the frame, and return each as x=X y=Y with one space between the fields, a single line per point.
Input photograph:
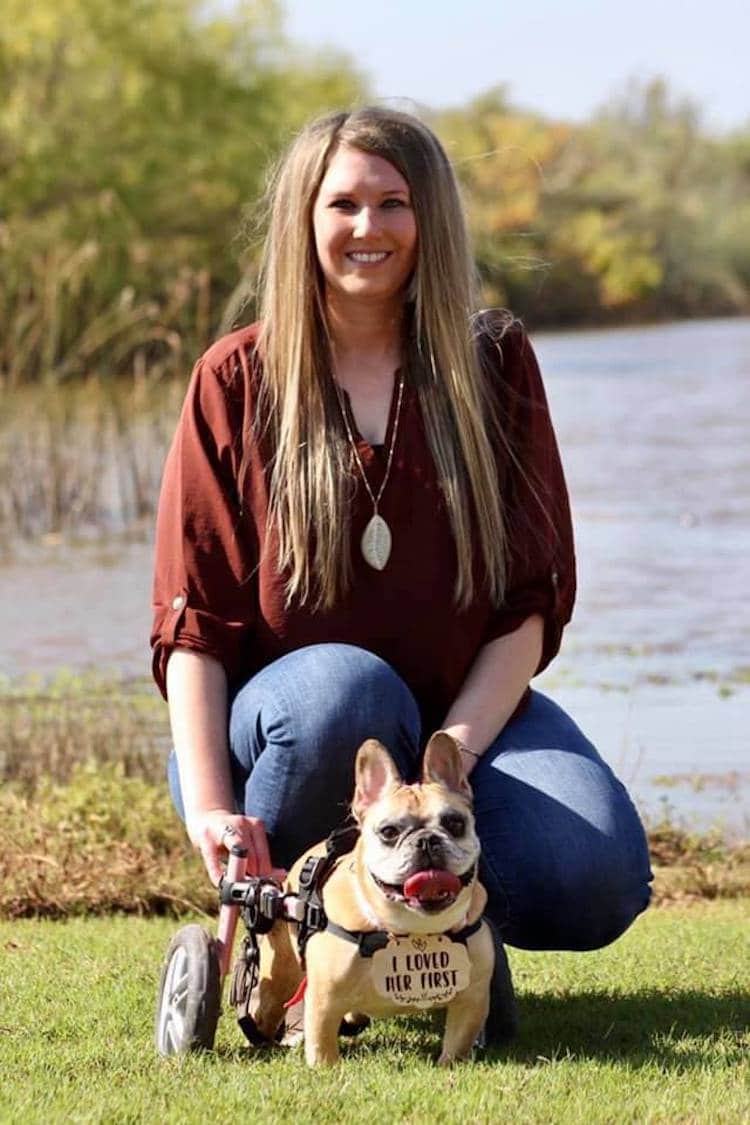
x=97 y=307
x=85 y=456
x=50 y=729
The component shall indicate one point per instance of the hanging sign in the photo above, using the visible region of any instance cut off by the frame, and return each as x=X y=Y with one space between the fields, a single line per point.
x=421 y=970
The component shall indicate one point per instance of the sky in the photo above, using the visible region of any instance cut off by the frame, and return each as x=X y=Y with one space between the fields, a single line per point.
x=562 y=59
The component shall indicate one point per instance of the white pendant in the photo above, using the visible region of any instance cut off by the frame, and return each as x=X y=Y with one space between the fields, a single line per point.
x=376 y=542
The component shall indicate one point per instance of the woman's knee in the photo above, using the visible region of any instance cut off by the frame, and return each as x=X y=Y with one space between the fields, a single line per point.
x=564 y=852
x=574 y=914
x=295 y=730
x=175 y=785
x=318 y=698
x=569 y=887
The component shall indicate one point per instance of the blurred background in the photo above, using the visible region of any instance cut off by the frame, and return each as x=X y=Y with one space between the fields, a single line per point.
x=604 y=155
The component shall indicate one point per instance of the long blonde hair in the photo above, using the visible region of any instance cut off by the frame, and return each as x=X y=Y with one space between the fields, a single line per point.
x=311 y=477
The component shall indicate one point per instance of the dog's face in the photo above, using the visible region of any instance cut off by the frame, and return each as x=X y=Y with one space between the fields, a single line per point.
x=418 y=845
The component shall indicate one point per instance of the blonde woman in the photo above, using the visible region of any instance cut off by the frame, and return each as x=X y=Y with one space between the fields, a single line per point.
x=364 y=532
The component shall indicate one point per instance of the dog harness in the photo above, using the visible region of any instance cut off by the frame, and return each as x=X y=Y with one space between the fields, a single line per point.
x=315 y=872
x=262 y=902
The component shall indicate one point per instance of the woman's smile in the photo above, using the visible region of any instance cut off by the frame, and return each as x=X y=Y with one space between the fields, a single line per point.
x=365 y=258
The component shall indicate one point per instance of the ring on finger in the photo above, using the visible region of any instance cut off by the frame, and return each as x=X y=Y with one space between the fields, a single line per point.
x=229 y=830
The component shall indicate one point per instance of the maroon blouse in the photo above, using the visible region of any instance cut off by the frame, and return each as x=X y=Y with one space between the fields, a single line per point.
x=217 y=592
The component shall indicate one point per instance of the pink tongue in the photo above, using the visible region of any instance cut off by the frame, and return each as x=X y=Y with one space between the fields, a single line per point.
x=429 y=885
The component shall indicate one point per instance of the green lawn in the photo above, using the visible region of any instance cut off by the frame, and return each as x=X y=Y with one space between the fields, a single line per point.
x=655 y=1028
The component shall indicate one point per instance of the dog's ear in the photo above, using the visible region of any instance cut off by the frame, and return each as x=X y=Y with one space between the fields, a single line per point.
x=442 y=763
x=375 y=772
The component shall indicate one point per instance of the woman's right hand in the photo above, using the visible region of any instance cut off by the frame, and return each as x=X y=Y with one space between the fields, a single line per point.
x=215 y=831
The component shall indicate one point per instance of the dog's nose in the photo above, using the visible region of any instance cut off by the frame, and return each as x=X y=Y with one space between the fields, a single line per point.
x=430 y=843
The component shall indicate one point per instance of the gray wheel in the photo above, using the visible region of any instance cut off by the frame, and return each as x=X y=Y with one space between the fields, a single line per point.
x=187 y=1007
x=502 y=1022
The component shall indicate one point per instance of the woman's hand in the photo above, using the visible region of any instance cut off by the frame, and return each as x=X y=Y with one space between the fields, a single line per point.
x=215 y=831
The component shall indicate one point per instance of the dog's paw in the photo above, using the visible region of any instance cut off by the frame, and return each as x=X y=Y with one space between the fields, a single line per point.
x=354 y=1023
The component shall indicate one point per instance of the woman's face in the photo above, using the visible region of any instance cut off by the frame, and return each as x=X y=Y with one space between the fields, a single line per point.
x=364 y=227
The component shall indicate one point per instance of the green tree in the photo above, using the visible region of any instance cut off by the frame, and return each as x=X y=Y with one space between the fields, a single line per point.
x=501 y=156
x=635 y=206
x=131 y=137
x=636 y=214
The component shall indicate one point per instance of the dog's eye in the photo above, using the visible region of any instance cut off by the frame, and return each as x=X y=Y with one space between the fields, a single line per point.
x=454 y=824
x=388 y=833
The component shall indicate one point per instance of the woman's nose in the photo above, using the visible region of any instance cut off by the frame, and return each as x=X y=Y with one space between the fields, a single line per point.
x=364 y=222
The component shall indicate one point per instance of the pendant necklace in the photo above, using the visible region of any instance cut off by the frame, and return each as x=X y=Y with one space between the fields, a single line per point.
x=376 y=540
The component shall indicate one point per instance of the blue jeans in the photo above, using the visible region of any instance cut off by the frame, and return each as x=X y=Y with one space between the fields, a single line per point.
x=564 y=856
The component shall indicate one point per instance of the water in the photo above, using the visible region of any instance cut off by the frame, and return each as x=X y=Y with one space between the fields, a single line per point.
x=653 y=424
x=653 y=427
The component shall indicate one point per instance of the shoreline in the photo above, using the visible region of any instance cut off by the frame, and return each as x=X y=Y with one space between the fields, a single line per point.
x=82 y=761
x=674 y=745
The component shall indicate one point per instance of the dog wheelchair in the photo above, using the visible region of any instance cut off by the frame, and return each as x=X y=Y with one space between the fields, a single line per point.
x=196 y=963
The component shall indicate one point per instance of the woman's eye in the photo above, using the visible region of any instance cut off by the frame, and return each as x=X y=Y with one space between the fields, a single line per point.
x=388 y=833
x=349 y=204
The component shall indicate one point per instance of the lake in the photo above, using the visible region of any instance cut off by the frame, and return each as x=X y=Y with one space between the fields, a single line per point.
x=654 y=428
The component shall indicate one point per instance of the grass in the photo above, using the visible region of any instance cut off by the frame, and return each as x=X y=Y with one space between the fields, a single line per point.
x=86 y=824
x=94 y=870
x=654 y=1028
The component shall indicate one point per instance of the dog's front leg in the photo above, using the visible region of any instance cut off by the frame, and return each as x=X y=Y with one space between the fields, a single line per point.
x=279 y=976
x=322 y=1021
x=464 y=1019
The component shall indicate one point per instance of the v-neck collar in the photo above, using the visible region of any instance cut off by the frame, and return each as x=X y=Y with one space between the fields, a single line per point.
x=379 y=451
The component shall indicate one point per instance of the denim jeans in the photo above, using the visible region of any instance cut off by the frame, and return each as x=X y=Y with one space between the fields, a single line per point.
x=564 y=856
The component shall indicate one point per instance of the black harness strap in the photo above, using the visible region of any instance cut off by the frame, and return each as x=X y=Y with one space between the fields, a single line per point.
x=316 y=870
x=312 y=877
x=370 y=941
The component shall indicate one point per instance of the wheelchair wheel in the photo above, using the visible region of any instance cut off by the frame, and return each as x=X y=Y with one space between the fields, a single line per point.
x=189 y=999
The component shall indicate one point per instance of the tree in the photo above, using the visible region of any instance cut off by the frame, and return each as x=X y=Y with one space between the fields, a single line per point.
x=131 y=137
x=501 y=157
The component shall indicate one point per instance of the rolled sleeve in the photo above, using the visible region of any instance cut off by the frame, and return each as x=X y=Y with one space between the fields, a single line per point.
x=541 y=577
x=203 y=595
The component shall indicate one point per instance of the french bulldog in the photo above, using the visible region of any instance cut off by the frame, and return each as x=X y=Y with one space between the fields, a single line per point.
x=412 y=872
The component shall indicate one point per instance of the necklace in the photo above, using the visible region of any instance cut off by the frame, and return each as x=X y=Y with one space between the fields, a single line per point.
x=376 y=540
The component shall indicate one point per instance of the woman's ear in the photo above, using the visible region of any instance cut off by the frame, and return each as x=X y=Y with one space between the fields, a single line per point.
x=375 y=772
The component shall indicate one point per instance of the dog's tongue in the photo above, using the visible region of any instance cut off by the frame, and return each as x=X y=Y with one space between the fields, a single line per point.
x=431 y=886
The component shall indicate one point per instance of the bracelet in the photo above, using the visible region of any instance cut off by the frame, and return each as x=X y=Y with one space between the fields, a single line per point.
x=465 y=749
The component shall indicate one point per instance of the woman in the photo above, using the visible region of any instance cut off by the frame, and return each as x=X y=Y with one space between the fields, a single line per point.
x=364 y=532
